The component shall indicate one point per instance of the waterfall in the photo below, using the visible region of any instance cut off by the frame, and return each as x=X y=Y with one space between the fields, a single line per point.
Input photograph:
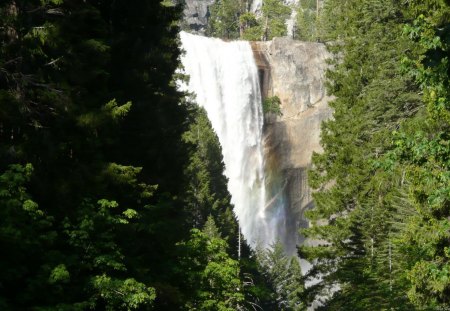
x=256 y=6
x=291 y=21
x=224 y=77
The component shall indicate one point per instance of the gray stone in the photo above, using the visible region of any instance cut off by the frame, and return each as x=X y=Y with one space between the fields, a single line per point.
x=297 y=76
x=196 y=14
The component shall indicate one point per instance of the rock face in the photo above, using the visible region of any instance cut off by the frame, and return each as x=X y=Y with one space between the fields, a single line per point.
x=196 y=14
x=296 y=74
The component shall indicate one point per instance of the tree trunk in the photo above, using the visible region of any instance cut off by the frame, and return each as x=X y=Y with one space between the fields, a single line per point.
x=265 y=32
x=317 y=10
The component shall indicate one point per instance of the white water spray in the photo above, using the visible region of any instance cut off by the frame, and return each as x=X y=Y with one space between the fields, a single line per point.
x=290 y=22
x=256 y=6
x=224 y=77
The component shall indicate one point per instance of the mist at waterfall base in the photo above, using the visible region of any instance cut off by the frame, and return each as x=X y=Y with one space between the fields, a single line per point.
x=224 y=78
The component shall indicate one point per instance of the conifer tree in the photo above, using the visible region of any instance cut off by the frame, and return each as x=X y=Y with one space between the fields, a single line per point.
x=66 y=88
x=353 y=212
x=207 y=192
x=284 y=274
x=211 y=277
x=422 y=151
x=224 y=21
x=307 y=20
x=381 y=212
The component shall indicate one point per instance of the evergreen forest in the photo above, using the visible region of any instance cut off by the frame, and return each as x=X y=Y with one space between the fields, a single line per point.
x=112 y=193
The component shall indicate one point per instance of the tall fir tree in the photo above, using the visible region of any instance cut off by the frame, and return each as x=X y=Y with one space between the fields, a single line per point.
x=354 y=194
x=80 y=152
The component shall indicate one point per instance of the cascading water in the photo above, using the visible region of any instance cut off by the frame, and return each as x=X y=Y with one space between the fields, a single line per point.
x=224 y=77
x=290 y=22
x=256 y=6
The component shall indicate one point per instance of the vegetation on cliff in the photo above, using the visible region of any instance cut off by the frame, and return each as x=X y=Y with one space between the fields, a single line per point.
x=307 y=20
x=232 y=19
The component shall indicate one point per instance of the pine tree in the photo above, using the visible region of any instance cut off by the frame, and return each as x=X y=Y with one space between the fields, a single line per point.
x=422 y=150
x=207 y=192
x=75 y=108
x=307 y=20
x=211 y=277
x=353 y=213
x=224 y=21
x=284 y=274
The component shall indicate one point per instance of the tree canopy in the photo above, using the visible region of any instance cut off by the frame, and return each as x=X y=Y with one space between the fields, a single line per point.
x=381 y=183
x=112 y=194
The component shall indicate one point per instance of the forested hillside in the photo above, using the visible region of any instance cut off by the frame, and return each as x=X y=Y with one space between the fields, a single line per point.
x=382 y=212
x=91 y=153
x=233 y=19
x=111 y=188
x=382 y=184
x=112 y=194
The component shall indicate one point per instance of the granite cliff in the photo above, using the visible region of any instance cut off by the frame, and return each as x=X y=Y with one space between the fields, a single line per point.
x=295 y=72
x=196 y=14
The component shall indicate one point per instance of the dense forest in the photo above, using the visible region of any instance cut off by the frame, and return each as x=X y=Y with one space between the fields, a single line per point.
x=234 y=19
x=382 y=184
x=383 y=181
x=112 y=194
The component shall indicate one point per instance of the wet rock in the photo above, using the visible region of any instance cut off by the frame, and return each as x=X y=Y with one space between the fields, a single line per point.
x=297 y=76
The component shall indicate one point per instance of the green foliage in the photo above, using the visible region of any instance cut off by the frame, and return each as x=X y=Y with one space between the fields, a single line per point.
x=252 y=27
x=55 y=2
x=211 y=276
x=59 y=274
x=358 y=216
x=271 y=23
x=274 y=16
x=210 y=228
x=272 y=105
x=231 y=20
x=206 y=189
x=207 y=204
x=382 y=181
x=307 y=21
x=224 y=21
x=94 y=218
x=285 y=276
x=115 y=111
x=25 y=232
x=295 y=286
x=123 y=295
x=422 y=148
